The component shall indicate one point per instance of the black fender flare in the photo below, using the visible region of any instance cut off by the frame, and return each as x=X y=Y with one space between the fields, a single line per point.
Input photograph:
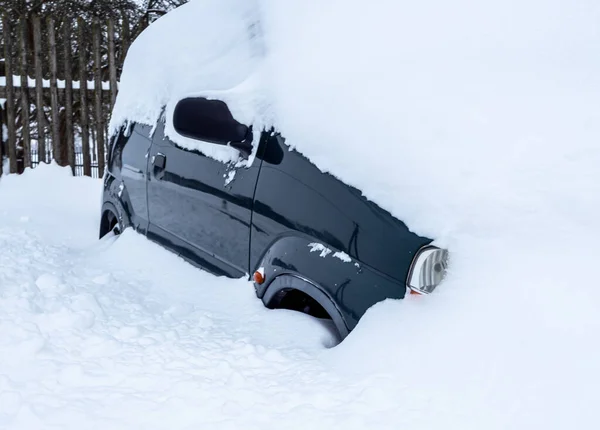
x=293 y=282
x=352 y=287
x=122 y=218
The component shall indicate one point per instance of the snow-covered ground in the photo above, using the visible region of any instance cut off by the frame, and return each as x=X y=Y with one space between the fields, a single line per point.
x=477 y=123
x=121 y=334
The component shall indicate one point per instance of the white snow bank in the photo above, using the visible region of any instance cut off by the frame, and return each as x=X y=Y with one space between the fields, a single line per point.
x=50 y=188
x=507 y=343
x=122 y=334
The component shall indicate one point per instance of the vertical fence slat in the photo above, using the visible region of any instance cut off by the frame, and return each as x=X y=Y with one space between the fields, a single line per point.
x=112 y=62
x=83 y=92
x=125 y=37
x=68 y=96
x=10 y=95
x=25 y=95
x=1 y=133
x=2 y=109
x=39 y=94
x=56 y=143
x=58 y=125
x=99 y=123
x=1 y=139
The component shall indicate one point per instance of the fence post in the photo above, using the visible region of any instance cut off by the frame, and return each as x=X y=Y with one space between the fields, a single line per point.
x=83 y=93
x=25 y=95
x=125 y=37
x=69 y=96
x=39 y=95
x=1 y=138
x=1 y=115
x=56 y=143
x=10 y=95
x=99 y=123
x=112 y=62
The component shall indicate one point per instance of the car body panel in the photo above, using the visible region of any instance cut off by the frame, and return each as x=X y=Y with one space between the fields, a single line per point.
x=352 y=286
x=300 y=226
x=287 y=282
x=294 y=196
x=128 y=163
x=197 y=208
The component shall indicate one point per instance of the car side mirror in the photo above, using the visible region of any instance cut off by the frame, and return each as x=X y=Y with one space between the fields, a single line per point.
x=211 y=121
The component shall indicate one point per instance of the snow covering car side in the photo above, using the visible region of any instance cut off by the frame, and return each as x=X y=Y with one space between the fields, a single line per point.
x=313 y=243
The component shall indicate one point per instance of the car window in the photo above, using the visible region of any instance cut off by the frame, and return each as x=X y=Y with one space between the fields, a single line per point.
x=133 y=146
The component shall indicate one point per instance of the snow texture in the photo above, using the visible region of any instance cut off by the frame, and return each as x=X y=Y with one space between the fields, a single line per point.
x=342 y=256
x=476 y=123
x=320 y=248
x=454 y=116
x=46 y=83
x=229 y=177
x=325 y=251
x=121 y=334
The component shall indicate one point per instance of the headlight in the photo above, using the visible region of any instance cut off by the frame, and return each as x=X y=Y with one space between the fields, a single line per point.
x=428 y=269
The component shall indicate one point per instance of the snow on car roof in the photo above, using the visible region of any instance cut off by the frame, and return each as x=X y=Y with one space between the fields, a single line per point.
x=206 y=48
x=452 y=116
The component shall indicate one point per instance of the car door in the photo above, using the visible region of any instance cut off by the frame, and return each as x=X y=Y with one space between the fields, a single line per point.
x=130 y=158
x=200 y=207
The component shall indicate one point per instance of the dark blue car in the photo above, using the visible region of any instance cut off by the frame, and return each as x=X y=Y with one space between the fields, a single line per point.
x=309 y=241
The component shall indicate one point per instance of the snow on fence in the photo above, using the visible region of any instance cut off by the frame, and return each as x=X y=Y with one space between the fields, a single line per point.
x=44 y=113
x=60 y=83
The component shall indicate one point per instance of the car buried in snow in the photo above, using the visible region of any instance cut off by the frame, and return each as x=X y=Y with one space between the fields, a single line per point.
x=311 y=242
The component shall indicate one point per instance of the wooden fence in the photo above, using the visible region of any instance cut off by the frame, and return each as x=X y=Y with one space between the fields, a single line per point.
x=58 y=96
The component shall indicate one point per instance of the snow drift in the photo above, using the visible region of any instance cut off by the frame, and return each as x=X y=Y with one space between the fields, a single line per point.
x=121 y=334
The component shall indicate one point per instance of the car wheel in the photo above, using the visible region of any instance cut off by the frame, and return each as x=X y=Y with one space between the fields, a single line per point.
x=110 y=223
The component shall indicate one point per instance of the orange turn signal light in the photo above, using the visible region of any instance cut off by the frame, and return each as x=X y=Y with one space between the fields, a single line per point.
x=259 y=278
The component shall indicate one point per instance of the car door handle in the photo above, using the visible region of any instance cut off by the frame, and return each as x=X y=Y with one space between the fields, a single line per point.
x=159 y=162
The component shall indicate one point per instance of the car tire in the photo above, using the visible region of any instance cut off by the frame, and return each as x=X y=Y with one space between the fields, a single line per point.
x=111 y=221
